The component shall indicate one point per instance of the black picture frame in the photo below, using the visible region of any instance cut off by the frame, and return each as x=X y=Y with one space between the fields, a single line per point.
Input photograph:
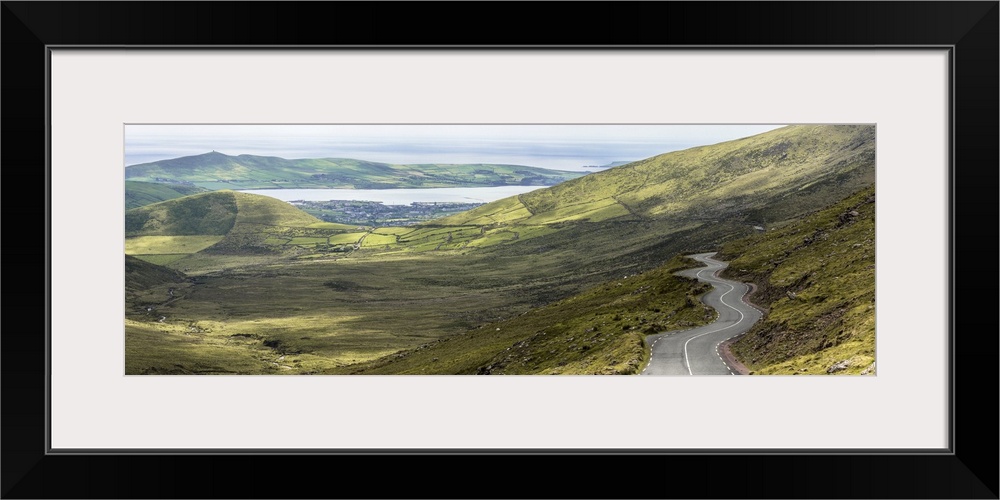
x=968 y=470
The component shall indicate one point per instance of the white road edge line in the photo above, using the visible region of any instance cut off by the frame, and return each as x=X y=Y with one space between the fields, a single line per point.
x=687 y=361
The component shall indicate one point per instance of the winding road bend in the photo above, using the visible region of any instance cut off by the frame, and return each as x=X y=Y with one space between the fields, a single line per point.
x=696 y=351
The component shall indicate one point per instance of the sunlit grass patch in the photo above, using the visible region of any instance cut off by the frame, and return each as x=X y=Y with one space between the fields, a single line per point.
x=855 y=356
x=256 y=209
x=278 y=345
x=494 y=237
x=505 y=210
x=374 y=240
x=394 y=230
x=177 y=349
x=144 y=245
x=597 y=210
x=332 y=225
x=346 y=238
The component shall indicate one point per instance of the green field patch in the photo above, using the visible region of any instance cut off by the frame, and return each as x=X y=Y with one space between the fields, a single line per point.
x=454 y=237
x=494 y=237
x=508 y=234
x=598 y=210
x=439 y=232
x=374 y=240
x=527 y=231
x=424 y=246
x=505 y=210
x=393 y=230
x=144 y=245
x=345 y=238
x=332 y=225
x=276 y=241
x=611 y=211
x=162 y=259
x=513 y=233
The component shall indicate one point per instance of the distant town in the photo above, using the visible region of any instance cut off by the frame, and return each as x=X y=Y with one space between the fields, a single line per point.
x=376 y=213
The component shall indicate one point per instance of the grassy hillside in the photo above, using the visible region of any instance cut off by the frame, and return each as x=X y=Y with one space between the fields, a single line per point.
x=761 y=179
x=599 y=331
x=817 y=277
x=632 y=217
x=148 y=287
x=216 y=171
x=201 y=214
x=139 y=194
x=324 y=313
x=141 y=275
x=223 y=223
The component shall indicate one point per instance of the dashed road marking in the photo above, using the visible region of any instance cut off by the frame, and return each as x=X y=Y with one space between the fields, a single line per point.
x=687 y=361
x=717 y=280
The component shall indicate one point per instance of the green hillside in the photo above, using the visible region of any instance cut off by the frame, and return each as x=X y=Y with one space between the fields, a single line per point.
x=636 y=216
x=817 y=278
x=141 y=275
x=138 y=194
x=762 y=179
x=148 y=286
x=216 y=171
x=599 y=331
x=200 y=214
x=815 y=274
x=223 y=223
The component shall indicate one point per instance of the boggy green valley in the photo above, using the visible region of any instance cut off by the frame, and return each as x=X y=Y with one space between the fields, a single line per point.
x=577 y=278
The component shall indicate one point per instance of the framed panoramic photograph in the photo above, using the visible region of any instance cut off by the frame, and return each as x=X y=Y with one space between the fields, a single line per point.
x=499 y=249
x=731 y=255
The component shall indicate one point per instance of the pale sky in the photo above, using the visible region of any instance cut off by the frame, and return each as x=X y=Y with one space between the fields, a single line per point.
x=565 y=147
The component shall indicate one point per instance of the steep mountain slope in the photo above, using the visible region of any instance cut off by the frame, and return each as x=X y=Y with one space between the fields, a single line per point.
x=139 y=194
x=636 y=216
x=763 y=178
x=148 y=286
x=219 y=171
x=817 y=278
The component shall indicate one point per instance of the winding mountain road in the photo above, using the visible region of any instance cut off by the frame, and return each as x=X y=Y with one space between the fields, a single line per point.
x=696 y=351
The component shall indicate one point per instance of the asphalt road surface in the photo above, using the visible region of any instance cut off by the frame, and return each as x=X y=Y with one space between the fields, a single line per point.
x=696 y=351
